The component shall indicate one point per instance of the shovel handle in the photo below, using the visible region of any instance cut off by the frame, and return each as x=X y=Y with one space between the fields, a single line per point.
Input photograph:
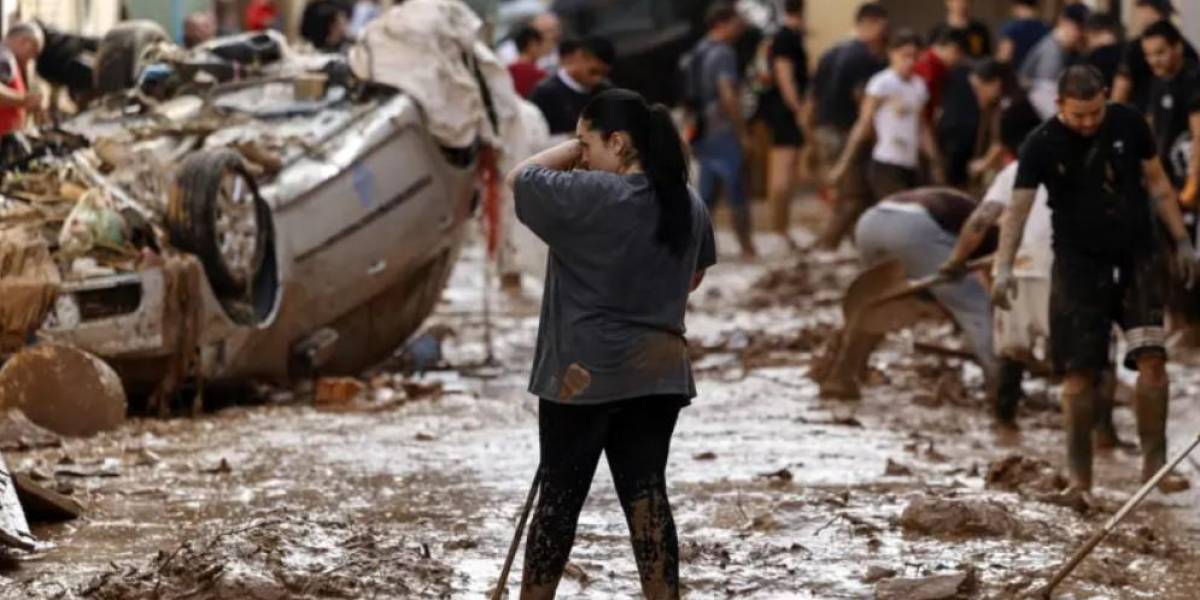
x=498 y=592
x=928 y=281
x=1112 y=523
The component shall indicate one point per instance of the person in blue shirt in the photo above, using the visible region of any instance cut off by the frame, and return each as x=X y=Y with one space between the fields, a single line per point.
x=1022 y=33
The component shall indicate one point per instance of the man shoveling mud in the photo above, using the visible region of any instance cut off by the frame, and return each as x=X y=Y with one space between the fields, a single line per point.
x=1099 y=165
x=918 y=228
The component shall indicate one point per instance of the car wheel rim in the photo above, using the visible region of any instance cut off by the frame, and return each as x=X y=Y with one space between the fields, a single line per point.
x=237 y=226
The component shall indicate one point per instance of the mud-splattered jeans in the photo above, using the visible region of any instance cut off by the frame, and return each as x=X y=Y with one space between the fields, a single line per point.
x=635 y=436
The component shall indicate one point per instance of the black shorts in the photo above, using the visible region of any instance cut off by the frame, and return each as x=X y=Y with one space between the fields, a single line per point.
x=1089 y=294
x=782 y=122
x=886 y=179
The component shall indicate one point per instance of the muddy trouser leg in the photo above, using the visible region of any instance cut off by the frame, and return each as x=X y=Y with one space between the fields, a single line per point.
x=1008 y=388
x=639 y=441
x=853 y=193
x=571 y=440
x=720 y=157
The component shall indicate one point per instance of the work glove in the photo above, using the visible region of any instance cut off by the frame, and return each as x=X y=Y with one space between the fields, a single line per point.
x=1185 y=262
x=1004 y=288
x=953 y=269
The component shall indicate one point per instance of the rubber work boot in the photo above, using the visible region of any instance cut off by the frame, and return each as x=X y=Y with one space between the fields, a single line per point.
x=1151 y=409
x=1104 y=433
x=1077 y=422
x=743 y=228
x=1008 y=391
x=841 y=378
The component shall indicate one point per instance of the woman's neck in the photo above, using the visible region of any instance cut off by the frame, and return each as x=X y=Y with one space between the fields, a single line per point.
x=632 y=168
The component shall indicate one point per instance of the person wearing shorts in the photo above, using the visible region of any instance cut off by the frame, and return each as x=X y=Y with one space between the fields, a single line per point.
x=1100 y=168
x=783 y=108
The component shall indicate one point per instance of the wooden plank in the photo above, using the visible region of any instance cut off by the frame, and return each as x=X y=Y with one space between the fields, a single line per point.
x=42 y=503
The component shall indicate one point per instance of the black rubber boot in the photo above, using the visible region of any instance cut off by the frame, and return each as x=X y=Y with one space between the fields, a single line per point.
x=1008 y=390
x=1077 y=422
x=1151 y=408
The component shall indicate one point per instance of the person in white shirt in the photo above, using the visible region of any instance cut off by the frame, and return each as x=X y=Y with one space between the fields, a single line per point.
x=1021 y=333
x=891 y=111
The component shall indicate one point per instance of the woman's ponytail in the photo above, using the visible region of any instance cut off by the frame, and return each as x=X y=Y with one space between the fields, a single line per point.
x=665 y=164
x=660 y=150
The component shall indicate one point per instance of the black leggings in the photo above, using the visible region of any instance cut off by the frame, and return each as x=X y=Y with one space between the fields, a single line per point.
x=635 y=435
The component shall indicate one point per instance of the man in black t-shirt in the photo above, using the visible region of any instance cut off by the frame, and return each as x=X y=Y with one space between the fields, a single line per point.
x=1174 y=108
x=1100 y=167
x=1174 y=112
x=837 y=92
x=1132 y=84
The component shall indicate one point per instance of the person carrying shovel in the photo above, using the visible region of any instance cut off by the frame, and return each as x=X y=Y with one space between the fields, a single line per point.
x=919 y=229
x=1104 y=180
x=628 y=242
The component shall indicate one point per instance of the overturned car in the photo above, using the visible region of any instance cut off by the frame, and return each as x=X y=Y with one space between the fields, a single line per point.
x=245 y=212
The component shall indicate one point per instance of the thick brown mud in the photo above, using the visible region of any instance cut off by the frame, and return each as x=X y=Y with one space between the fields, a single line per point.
x=777 y=493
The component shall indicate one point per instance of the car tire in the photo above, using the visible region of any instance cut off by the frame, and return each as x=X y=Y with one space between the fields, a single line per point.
x=117 y=60
x=216 y=213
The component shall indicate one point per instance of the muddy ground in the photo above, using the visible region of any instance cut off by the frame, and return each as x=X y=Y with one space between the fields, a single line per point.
x=777 y=493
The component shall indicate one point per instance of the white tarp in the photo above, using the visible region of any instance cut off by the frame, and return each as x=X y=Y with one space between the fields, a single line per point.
x=430 y=50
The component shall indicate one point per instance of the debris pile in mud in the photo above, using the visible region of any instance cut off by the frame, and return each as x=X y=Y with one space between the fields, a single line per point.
x=277 y=558
x=952 y=517
x=1018 y=473
x=949 y=586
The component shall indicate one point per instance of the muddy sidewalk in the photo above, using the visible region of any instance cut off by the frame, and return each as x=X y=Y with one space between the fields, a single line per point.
x=777 y=493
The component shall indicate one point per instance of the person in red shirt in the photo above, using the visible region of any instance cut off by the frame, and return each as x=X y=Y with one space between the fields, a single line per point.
x=22 y=44
x=262 y=15
x=531 y=47
x=936 y=62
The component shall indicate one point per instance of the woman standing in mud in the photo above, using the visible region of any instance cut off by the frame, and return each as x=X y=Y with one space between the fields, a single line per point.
x=628 y=242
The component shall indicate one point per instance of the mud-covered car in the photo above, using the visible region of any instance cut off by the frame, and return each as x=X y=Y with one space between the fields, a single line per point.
x=289 y=221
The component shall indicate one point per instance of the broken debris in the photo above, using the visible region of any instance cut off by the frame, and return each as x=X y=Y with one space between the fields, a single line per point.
x=951 y=586
x=946 y=517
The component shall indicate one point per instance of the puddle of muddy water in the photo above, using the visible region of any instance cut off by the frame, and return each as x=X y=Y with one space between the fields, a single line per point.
x=777 y=493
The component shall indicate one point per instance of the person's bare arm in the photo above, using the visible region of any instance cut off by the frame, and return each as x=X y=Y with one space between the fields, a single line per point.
x=862 y=131
x=562 y=157
x=1004 y=51
x=697 y=279
x=727 y=96
x=973 y=233
x=785 y=78
x=1166 y=204
x=1122 y=89
x=10 y=98
x=1012 y=229
x=1166 y=201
